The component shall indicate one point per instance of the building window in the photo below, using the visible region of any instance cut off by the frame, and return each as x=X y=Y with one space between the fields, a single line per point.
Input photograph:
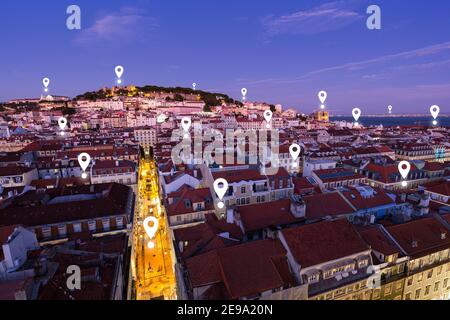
x=430 y=274
x=388 y=289
x=427 y=290
x=313 y=278
x=376 y=294
x=77 y=227
x=62 y=230
x=46 y=232
x=408 y=296
x=105 y=223
x=242 y=189
x=92 y=225
x=417 y=294
x=410 y=281
x=436 y=286
x=419 y=277
x=362 y=263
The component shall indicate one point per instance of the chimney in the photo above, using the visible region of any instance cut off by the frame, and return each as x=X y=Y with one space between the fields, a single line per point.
x=443 y=235
x=230 y=216
x=298 y=206
x=117 y=163
x=414 y=244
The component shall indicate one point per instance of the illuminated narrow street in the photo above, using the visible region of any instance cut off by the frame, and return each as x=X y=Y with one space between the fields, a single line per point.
x=152 y=268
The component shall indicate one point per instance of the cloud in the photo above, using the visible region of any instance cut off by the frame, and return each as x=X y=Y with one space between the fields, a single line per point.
x=125 y=24
x=417 y=53
x=404 y=61
x=326 y=17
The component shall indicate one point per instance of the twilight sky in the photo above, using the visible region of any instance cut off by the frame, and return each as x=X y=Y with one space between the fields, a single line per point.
x=281 y=51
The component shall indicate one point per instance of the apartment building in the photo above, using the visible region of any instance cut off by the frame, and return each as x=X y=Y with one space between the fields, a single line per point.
x=426 y=242
x=59 y=213
x=119 y=171
x=331 y=258
x=15 y=176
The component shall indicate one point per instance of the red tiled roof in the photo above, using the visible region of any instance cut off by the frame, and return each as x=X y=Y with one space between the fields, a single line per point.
x=245 y=270
x=14 y=171
x=114 y=203
x=441 y=188
x=317 y=243
x=301 y=185
x=379 y=198
x=425 y=232
x=337 y=174
x=191 y=196
x=378 y=241
x=239 y=175
x=262 y=215
x=326 y=204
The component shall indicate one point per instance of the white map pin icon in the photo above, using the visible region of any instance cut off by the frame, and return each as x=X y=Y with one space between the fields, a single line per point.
x=244 y=92
x=404 y=168
x=295 y=151
x=194 y=85
x=62 y=123
x=435 y=111
x=151 y=230
x=356 y=114
x=323 y=96
x=84 y=160
x=268 y=116
x=119 y=72
x=46 y=82
x=220 y=187
x=390 y=108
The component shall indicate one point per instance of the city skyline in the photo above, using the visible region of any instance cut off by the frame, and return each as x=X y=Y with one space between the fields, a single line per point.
x=282 y=53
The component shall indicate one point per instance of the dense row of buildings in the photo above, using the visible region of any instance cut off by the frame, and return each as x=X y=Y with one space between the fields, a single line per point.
x=336 y=223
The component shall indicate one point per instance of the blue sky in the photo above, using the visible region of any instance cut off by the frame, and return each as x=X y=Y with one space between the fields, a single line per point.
x=282 y=51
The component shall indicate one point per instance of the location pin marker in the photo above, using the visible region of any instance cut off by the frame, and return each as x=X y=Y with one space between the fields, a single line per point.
x=295 y=152
x=62 y=124
x=404 y=167
x=435 y=113
x=390 y=109
x=322 y=97
x=151 y=230
x=46 y=82
x=268 y=116
x=84 y=160
x=194 y=85
x=244 y=93
x=119 y=72
x=220 y=187
x=186 y=124
x=356 y=114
